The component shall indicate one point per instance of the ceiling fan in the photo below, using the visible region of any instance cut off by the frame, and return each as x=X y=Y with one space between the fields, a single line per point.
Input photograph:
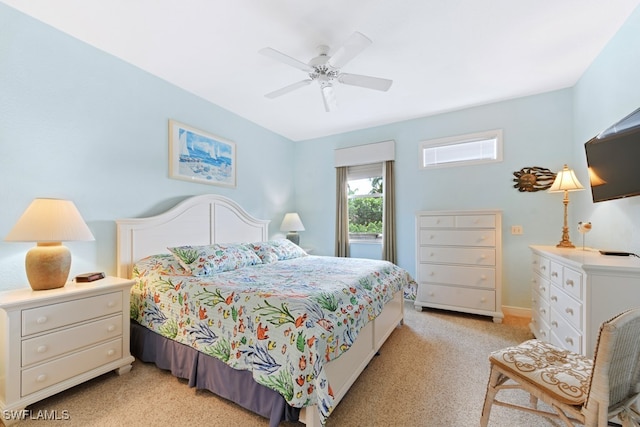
x=325 y=70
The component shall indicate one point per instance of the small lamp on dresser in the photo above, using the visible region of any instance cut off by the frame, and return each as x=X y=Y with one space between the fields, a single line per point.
x=292 y=224
x=49 y=222
x=565 y=181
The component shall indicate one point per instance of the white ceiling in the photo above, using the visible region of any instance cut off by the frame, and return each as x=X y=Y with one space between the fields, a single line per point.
x=442 y=55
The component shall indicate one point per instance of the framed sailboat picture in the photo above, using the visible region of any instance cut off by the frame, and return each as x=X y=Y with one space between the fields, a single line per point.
x=198 y=156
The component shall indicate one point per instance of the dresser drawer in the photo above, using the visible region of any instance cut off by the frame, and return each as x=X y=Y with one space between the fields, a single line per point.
x=479 y=299
x=47 y=374
x=53 y=316
x=57 y=343
x=572 y=282
x=458 y=237
x=476 y=221
x=555 y=273
x=541 y=286
x=474 y=256
x=540 y=327
x=567 y=307
x=483 y=277
x=541 y=265
x=540 y=307
x=563 y=335
x=437 y=221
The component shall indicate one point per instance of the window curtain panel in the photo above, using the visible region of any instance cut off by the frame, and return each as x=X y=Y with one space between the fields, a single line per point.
x=389 y=249
x=342 y=213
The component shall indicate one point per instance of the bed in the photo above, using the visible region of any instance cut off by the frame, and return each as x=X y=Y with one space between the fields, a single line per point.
x=282 y=333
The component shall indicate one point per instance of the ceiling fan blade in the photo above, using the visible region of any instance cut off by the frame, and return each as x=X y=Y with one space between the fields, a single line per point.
x=329 y=97
x=279 y=56
x=365 y=81
x=287 y=89
x=353 y=46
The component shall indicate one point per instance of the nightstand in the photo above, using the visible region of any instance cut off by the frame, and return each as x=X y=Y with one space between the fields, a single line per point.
x=53 y=340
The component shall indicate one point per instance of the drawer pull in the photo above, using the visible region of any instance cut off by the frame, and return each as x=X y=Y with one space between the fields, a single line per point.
x=483 y=277
x=569 y=282
x=431 y=254
x=111 y=352
x=111 y=328
x=554 y=324
x=543 y=267
x=554 y=298
x=483 y=256
x=554 y=274
x=568 y=310
x=568 y=340
x=543 y=333
x=543 y=311
x=431 y=294
x=111 y=304
x=41 y=320
x=483 y=299
x=543 y=289
x=41 y=349
x=41 y=378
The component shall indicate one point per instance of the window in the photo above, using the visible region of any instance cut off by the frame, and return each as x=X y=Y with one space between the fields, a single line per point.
x=483 y=147
x=365 y=193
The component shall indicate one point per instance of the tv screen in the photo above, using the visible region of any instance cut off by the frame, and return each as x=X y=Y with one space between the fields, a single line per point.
x=613 y=157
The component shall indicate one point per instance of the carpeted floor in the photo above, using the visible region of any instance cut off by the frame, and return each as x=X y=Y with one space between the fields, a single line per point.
x=431 y=372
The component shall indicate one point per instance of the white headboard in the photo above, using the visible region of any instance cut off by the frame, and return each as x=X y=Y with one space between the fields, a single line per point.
x=198 y=220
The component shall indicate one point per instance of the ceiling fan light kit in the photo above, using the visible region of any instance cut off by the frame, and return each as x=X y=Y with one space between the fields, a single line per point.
x=325 y=70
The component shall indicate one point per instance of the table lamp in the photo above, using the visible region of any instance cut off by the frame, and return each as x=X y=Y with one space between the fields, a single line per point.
x=292 y=224
x=49 y=222
x=565 y=181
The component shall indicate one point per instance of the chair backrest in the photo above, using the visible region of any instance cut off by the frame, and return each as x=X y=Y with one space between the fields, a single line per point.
x=616 y=370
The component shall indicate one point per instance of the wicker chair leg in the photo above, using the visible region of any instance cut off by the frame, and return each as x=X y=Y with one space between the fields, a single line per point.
x=494 y=380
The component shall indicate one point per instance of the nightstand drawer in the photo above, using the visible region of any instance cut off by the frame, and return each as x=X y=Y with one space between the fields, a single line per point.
x=48 y=317
x=55 y=344
x=474 y=256
x=58 y=370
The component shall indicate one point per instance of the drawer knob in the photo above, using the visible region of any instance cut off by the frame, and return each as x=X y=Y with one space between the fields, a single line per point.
x=568 y=340
x=543 y=311
x=111 y=328
x=431 y=294
x=111 y=304
x=483 y=277
x=41 y=320
x=42 y=349
x=431 y=254
x=41 y=378
x=543 y=267
x=568 y=310
x=543 y=333
x=431 y=273
x=483 y=256
x=483 y=299
x=554 y=324
x=543 y=289
x=569 y=282
x=111 y=352
x=554 y=298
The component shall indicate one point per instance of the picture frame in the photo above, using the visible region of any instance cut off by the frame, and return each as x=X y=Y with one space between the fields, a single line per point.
x=198 y=156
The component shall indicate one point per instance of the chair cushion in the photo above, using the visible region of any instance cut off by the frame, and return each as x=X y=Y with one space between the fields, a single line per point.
x=561 y=373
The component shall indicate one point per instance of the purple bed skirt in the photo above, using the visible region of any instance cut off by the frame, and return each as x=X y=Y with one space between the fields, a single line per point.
x=208 y=373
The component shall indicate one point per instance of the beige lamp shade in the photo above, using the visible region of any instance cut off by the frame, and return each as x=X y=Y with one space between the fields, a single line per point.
x=292 y=224
x=49 y=222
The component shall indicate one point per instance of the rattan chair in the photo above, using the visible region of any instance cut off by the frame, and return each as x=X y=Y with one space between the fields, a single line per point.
x=576 y=388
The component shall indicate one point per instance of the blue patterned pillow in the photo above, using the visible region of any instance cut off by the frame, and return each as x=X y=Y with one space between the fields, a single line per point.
x=276 y=250
x=216 y=258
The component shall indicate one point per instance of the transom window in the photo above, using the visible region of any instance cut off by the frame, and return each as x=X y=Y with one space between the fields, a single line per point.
x=475 y=148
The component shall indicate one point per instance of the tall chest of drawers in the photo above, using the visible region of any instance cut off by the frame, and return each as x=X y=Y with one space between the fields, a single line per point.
x=459 y=261
x=52 y=340
x=574 y=291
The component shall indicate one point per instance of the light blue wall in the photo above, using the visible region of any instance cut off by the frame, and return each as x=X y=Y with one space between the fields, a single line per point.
x=537 y=132
x=607 y=92
x=80 y=124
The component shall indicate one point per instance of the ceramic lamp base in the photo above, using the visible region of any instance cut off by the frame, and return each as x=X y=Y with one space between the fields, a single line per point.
x=294 y=237
x=48 y=266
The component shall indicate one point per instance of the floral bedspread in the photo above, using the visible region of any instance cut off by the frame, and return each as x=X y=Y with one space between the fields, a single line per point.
x=283 y=321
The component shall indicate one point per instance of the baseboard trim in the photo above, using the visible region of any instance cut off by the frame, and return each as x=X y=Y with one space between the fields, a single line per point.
x=516 y=311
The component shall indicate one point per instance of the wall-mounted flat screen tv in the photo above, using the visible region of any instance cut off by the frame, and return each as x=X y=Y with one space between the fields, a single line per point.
x=613 y=157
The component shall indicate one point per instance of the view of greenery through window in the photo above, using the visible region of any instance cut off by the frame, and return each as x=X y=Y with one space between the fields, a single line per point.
x=365 y=206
